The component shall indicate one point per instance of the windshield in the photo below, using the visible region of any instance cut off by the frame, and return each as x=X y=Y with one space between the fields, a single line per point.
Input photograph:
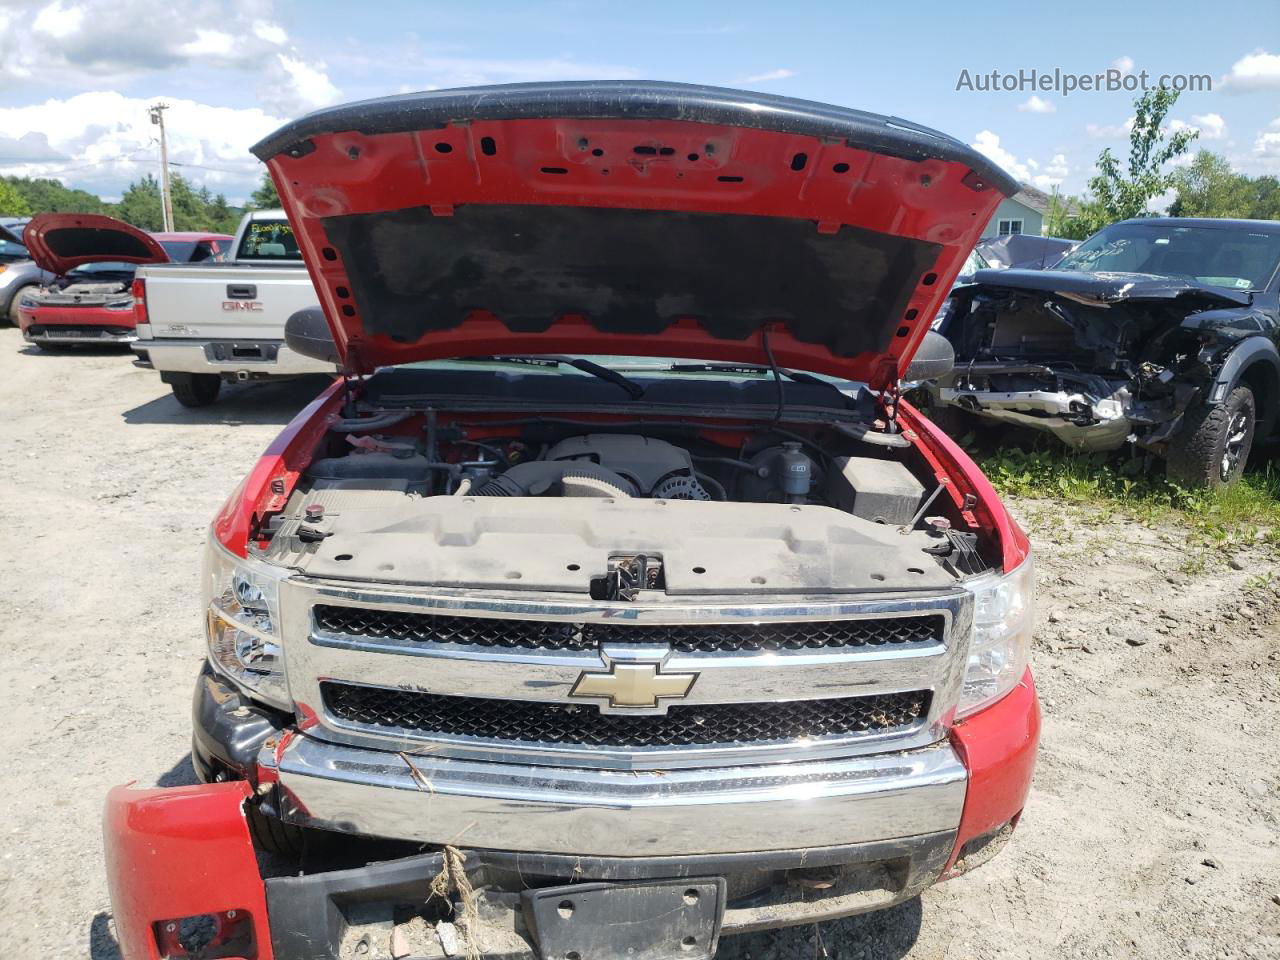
x=12 y=251
x=92 y=271
x=268 y=240
x=1238 y=259
x=179 y=251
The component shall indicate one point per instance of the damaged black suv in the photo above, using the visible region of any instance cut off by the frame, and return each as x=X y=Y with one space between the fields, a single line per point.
x=1160 y=332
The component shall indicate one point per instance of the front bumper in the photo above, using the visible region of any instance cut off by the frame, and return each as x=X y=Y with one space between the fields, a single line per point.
x=76 y=325
x=618 y=813
x=239 y=359
x=795 y=843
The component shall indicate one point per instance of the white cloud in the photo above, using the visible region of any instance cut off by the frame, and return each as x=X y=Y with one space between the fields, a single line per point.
x=1110 y=131
x=988 y=144
x=1036 y=104
x=101 y=141
x=100 y=44
x=208 y=43
x=97 y=44
x=1123 y=64
x=1254 y=71
x=31 y=146
x=1046 y=176
x=782 y=73
x=1211 y=126
x=309 y=86
x=270 y=32
x=1267 y=146
x=58 y=21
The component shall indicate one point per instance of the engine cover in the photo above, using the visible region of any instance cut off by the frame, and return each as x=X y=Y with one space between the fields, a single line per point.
x=644 y=461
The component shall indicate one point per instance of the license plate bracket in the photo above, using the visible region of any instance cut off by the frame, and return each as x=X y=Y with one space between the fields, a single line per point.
x=650 y=920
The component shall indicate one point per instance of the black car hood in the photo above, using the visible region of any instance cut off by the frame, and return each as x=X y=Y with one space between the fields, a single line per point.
x=1104 y=288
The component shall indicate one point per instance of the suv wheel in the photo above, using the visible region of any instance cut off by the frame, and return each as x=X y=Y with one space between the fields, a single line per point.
x=195 y=389
x=12 y=313
x=1211 y=449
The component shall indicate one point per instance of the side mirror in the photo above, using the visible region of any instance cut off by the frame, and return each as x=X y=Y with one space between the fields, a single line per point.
x=935 y=358
x=307 y=333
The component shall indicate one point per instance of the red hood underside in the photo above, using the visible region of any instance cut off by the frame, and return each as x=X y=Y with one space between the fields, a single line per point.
x=60 y=242
x=632 y=219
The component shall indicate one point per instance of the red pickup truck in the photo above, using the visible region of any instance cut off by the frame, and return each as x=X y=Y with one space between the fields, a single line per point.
x=613 y=600
x=94 y=258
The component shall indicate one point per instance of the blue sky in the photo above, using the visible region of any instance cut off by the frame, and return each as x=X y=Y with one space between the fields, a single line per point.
x=76 y=75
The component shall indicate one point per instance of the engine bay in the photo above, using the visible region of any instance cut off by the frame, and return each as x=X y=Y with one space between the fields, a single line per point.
x=619 y=509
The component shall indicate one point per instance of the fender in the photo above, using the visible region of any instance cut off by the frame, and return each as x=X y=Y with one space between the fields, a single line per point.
x=1256 y=349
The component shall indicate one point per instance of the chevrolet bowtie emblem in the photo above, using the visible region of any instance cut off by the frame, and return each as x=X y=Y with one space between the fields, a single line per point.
x=633 y=684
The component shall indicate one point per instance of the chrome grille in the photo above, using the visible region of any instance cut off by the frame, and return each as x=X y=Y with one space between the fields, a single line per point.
x=375 y=624
x=583 y=724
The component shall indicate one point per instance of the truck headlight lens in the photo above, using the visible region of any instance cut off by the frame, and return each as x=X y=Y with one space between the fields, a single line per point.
x=242 y=623
x=1000 y=644
x=125 y=304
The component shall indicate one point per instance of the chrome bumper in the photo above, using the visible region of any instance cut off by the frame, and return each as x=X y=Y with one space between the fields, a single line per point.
x=615 y=813
x=218 y=356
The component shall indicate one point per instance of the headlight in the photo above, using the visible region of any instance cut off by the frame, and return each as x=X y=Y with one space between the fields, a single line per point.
x=242 y=623
x=1001 y=640
x=28 y=302
x=125 y=304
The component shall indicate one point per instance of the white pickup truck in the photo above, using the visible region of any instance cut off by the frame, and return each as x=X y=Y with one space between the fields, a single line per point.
x=201 y=325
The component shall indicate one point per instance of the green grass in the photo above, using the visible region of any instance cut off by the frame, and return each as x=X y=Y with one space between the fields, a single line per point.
x=1245 y=513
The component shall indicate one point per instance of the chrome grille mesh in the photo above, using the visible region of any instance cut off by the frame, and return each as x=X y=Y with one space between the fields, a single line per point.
x=393 y=625
x=584 y=724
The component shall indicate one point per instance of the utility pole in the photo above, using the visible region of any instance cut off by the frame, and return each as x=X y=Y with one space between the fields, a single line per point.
x=166 y=201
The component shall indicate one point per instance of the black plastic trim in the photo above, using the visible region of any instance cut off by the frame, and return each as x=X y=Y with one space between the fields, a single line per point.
x=637 y=100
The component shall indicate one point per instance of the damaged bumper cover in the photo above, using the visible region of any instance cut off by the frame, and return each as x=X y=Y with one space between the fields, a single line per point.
x=779 y=849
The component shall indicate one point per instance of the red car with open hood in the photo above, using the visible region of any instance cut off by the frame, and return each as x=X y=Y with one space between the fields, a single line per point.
x=94 y=258
x=613 y=600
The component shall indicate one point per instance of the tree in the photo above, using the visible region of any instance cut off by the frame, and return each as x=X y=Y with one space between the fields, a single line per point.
x=50 y=196
x=1210 y=188
x=1114 y=196
x=1119 y=197
x=265 y=197
x=12 y=203
x=140 y=205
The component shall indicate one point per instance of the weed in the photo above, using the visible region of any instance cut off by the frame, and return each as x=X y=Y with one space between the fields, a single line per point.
x=1246 y=513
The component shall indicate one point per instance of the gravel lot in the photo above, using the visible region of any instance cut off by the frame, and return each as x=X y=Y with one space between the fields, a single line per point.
x=1154 y=824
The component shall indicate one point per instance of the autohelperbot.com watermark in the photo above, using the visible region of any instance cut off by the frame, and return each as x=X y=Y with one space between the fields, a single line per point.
x=1064 y=83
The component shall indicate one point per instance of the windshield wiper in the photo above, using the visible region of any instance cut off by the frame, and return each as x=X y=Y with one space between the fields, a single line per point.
x=797 y=376
x=633 y=389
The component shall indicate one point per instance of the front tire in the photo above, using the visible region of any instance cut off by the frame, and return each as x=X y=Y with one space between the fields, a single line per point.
x=1211 y=449
x=12 y=312
x=195 y=389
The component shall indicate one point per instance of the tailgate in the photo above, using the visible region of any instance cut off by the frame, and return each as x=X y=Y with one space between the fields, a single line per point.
x=221 y=302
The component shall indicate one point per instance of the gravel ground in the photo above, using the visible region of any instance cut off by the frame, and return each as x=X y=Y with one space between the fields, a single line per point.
x=1153 y=828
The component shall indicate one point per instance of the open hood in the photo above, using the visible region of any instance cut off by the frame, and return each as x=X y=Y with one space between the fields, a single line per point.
x=629 y=218
x=60 y=242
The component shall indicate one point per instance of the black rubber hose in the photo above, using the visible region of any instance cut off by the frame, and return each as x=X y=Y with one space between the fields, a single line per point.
x=715 y=485
x=380 y=422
